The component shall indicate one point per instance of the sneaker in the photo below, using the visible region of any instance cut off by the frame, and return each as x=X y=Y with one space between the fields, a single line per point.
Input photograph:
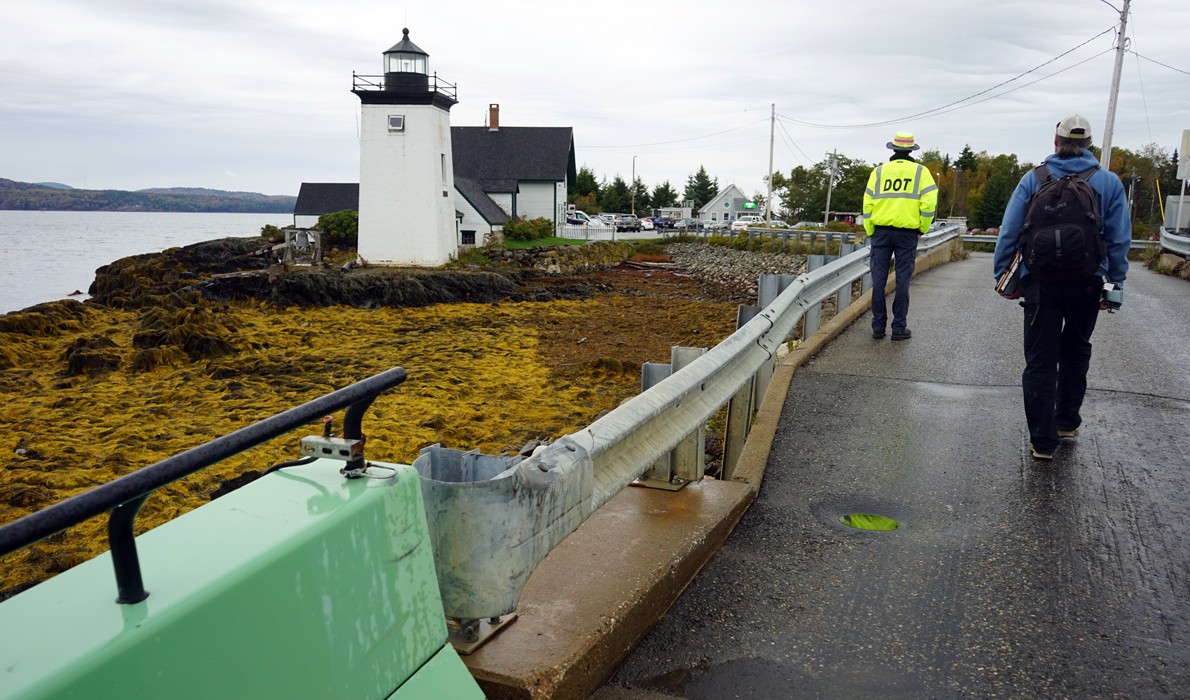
x=877 y=335
x=1073 y=432
x=902 y=335
x=1038 y=454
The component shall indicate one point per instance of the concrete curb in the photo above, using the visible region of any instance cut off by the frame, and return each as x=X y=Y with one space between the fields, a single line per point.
x=604 y=587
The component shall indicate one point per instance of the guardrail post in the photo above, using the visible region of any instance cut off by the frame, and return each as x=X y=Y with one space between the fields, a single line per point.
x=686 y=462
x=651 y=373
x=767 y=291
x=813 y=318
x=846 y=294
x=739 y=408
x=689 y=457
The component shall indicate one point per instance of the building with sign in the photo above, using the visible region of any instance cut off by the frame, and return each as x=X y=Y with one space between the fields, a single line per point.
x=727 y=206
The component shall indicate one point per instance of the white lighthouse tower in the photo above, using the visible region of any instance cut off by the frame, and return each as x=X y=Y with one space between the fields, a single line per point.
x=406 y=173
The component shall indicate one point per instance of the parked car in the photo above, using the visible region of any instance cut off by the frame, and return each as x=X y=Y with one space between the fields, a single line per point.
x=646 y=224
x=689 y=224
x=663 y=222
x=777 y=223
x=578 y=218
x=597 y=222
x=623 y=222
x=744 y=221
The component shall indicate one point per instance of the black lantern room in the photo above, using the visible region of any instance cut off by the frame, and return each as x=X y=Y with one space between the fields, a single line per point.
x=406 y=67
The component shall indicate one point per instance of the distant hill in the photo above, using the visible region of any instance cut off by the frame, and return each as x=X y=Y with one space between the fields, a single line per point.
x=57 y=197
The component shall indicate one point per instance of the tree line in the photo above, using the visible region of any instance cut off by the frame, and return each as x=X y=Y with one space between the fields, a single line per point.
x=593 y=196
x=31 y=196
x=973 y=185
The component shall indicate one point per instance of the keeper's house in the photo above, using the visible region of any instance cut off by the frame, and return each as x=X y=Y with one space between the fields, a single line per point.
x=500 y=173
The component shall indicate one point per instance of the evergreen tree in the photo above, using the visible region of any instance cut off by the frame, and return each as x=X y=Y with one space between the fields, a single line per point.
x=615 y=198
x=966 y=160
x=585 y=183
x=700 y=188
x=993 y=199
x=640 y=197
x=664 y=195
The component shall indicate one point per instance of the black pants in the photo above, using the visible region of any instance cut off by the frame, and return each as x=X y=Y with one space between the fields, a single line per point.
x=1059 y=320
x=885 y=241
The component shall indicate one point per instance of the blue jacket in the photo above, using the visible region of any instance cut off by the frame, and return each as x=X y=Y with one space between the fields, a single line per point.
x=1113 y=207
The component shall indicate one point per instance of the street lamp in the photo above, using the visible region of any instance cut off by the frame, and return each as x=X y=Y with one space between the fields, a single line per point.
x=633 y=185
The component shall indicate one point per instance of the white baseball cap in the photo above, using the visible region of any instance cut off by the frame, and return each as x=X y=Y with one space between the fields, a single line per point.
x=1074 y=127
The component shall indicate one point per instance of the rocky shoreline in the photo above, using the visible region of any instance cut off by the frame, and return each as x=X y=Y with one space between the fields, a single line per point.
x=238 y=269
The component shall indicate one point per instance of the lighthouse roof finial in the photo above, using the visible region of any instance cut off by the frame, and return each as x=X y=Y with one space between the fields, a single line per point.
x=406 y=46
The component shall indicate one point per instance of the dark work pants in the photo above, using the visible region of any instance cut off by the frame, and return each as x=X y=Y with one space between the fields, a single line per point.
x=886 y=243
x=1059 y=320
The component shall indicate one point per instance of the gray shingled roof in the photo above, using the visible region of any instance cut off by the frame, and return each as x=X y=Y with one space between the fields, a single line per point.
x=542 y=153
x=475 y=196
x=318 y=198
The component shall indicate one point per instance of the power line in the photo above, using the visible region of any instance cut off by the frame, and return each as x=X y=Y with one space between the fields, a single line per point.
x=786 y=136
x=940 y=110
x=1144 y=100
x=945 y=108
x=1160 y=63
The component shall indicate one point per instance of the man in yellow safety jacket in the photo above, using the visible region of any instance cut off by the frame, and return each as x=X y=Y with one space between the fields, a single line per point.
x=899 y=205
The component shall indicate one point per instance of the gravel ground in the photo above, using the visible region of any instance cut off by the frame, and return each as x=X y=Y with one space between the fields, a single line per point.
x=738 y=269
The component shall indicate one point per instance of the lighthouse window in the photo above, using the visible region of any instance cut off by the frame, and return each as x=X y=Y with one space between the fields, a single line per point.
x=396 y=122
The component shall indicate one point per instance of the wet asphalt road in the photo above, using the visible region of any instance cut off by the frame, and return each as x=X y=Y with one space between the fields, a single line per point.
x=1008 y=577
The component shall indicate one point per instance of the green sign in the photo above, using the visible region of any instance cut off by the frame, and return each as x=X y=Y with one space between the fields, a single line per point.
x=749 y=205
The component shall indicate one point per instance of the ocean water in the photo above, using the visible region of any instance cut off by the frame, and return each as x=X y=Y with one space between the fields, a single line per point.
x=50 y=255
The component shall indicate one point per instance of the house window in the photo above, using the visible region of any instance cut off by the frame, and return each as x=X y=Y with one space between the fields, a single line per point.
x=442 y=167
x=468 y=238
x=396 y=122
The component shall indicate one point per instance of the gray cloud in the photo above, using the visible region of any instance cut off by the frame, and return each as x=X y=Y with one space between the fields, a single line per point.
x=130 y=94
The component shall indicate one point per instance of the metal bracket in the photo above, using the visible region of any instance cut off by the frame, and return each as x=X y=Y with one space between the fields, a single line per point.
x=341 y=449
x=675 y=484
x=468 y=635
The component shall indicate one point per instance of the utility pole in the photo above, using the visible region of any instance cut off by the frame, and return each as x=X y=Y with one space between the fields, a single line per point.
x=634 y=185
x=830 y=184
x=1121 y=44
x=768 y=200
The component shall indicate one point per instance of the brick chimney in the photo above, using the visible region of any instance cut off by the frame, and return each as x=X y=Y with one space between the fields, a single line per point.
x=493 y=117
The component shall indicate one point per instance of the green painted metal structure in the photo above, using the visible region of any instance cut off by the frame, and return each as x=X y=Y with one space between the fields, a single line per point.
x=302 y=584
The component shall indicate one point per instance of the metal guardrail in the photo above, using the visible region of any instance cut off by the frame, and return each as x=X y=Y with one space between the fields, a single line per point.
x=985 y=238
x=492 y=522
x=1174 y=243
x=124 y=496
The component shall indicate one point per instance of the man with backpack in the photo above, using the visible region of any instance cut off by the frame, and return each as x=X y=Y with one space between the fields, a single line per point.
x=1068 y=221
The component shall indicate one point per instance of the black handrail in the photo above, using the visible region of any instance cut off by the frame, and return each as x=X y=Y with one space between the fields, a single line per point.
x=375 y=83
x=124 y=496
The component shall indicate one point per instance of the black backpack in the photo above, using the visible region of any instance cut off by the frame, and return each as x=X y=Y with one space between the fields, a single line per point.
x=1061 y=238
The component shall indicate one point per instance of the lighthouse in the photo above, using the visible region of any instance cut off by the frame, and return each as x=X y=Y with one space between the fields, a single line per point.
x=406 y=174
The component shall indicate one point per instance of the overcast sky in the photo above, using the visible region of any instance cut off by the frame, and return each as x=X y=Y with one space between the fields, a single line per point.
x=255 y=96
